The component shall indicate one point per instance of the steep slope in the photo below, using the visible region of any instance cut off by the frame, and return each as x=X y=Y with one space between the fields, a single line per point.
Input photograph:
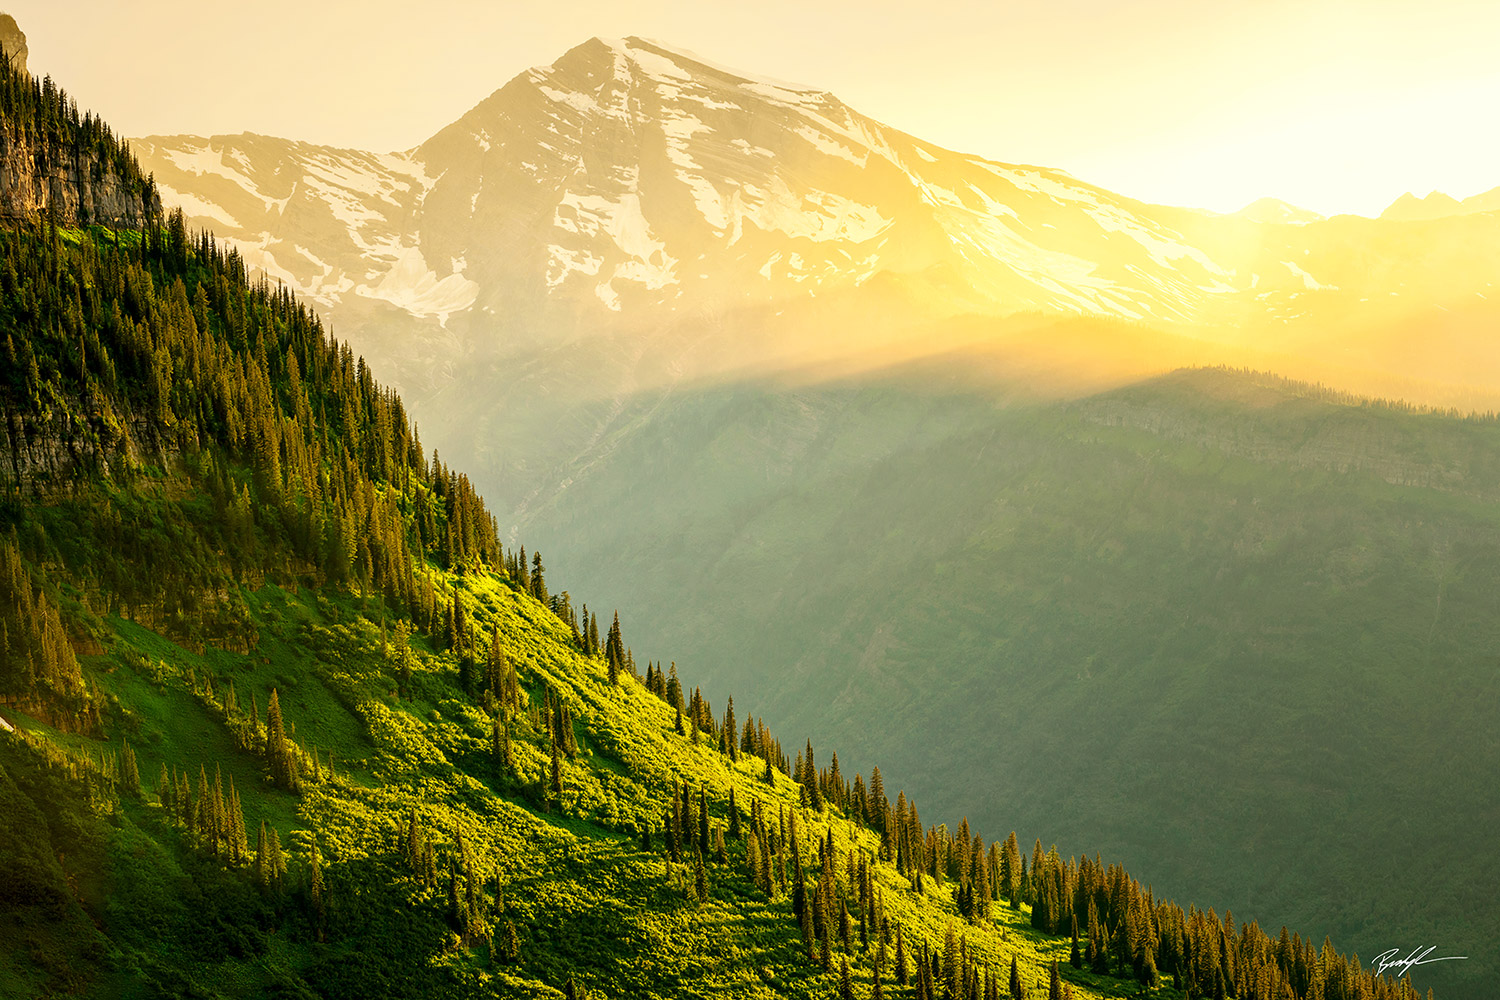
x=456 y=789
x=1204 y=620
x=58 y=161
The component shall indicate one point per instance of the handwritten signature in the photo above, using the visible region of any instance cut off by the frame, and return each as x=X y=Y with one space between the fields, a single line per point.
x=1387 y=960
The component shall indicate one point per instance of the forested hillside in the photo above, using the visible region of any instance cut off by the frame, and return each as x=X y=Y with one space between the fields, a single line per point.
x=282 y=718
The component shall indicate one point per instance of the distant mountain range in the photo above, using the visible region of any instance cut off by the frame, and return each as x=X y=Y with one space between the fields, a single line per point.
x=629 y=186
x=1437 y=205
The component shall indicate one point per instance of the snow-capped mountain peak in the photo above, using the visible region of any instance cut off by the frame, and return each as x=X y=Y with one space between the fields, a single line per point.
x=629 y=182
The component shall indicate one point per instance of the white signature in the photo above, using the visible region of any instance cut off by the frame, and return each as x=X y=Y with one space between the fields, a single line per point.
x=1388 y=960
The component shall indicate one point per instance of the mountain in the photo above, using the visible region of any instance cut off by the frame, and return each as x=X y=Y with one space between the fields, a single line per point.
x=901 y=455
x=630 y=178
x=630 y=187
x=456 y=789
x=13 y=43
x=1273 y=210
x=1437 y=205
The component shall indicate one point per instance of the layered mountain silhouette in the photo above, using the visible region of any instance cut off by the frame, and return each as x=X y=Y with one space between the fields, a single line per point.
x=1437 y=205
x=629 y=184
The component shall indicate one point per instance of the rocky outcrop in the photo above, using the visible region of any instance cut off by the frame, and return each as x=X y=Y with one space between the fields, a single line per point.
x=47 y=455
x=79 y=189
x=13 y=41
x=52 y=162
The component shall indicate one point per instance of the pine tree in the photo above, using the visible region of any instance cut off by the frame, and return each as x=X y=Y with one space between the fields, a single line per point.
x=316 y=891
x=277 y=864
x=1054 y=987
x=277 y=753
x=614 y=651
x=1017 y=991
x=262 y=862
x=555 y=784
x=130 y=775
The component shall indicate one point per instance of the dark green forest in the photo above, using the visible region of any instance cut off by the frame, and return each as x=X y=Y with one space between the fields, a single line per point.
x=282 y=717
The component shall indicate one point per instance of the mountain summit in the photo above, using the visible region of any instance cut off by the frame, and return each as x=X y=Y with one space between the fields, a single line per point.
x=633 y=174
x=628 y=179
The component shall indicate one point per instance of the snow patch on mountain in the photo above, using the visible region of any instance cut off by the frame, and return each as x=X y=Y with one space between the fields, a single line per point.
x=413 y=286
x=1308 y=281
x=563 y=261
x=194 y=206
x=204 y=161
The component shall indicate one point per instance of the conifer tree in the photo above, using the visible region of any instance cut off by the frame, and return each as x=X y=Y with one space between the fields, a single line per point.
x=316 y=891
x=555 y=785
x=614 y=650
x=511 y=948
x=262 y=861
x=130 y=775
x=538 y=584
x=277 y=753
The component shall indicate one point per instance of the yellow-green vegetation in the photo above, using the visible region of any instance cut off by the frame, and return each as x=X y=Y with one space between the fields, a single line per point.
x=512 y=890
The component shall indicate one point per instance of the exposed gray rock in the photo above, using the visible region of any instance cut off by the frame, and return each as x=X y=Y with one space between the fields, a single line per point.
x=13 y=41
x=34 y=175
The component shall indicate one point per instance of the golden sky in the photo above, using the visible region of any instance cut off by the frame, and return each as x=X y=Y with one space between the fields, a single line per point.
x=1335 y=105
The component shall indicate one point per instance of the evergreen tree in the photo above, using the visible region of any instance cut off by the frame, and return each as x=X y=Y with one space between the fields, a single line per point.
x=555 y=784
x=316 y=891
x=614 y=651
x=277 y=752
x=262 y=862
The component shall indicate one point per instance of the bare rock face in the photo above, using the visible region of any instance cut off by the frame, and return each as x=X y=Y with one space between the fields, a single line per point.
x=13 y=41
x=77 y=186
x=35 y=175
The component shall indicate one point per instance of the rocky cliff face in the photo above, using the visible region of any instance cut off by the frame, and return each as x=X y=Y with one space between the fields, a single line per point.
x=13 y=41
x=35 y=174
x=39 y=172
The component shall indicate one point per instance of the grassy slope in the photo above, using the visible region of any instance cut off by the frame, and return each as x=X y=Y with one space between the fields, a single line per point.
x=1229 y=628
x=136 y=910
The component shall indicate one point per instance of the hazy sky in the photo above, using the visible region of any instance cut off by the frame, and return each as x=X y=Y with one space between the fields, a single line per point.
x=1337 y=105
